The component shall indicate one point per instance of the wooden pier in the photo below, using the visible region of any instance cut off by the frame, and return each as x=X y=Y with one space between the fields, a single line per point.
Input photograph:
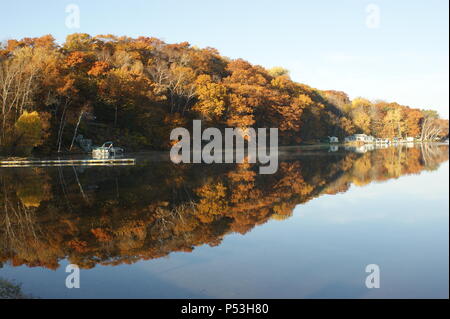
x=69 y=162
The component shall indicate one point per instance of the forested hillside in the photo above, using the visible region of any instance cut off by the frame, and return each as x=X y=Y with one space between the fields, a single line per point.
x=134 y=91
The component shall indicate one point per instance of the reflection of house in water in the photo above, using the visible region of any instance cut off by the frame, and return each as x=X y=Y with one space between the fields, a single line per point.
x=375 y=146
x=333 y=148
x=380 y=146
x=361 y=149
x=371 y=147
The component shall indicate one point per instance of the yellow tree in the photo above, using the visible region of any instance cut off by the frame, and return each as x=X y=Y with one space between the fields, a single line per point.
x=29 y=132
x=393 y=123
x=362 y=120
x=211 y=98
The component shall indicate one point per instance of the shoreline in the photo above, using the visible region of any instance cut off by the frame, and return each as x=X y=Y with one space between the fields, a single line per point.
x=164 y=155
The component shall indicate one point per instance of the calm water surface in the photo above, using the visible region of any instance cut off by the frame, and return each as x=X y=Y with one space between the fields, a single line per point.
x=158 y=230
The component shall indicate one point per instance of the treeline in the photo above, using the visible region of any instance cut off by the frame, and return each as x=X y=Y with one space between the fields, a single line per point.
x=389 y=120
x=108 y=217
x=134 y=91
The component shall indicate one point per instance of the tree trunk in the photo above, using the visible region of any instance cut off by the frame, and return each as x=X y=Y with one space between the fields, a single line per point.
x=76 y=129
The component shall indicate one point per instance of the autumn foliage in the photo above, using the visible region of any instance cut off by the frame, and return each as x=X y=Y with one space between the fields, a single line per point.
x=132 y=90
x=108 y=217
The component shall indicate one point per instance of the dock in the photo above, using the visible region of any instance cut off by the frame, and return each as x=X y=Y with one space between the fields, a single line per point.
x=69 y=162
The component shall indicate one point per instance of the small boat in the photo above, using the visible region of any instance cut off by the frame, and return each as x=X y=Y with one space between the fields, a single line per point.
x=107 y=150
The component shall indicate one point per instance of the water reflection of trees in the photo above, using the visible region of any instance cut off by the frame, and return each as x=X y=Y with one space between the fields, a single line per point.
x=111 y=216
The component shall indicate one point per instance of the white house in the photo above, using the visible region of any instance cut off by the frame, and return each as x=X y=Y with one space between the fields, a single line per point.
x=333 y=139
x=359 y=138
x=333 y=148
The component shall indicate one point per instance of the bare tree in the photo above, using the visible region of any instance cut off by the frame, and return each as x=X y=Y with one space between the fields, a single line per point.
x=16 y=89
x=431 y=129
x=19 y=75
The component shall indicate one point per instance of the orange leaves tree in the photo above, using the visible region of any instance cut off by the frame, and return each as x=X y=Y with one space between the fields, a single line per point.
x=134 y=90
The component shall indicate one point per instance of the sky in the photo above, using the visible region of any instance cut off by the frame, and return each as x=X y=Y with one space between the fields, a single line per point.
x=387 y=50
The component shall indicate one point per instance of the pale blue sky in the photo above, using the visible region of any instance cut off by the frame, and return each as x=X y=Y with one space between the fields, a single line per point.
x=325 y=44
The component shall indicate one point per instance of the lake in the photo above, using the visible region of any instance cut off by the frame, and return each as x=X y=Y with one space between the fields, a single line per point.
x=160 y=230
